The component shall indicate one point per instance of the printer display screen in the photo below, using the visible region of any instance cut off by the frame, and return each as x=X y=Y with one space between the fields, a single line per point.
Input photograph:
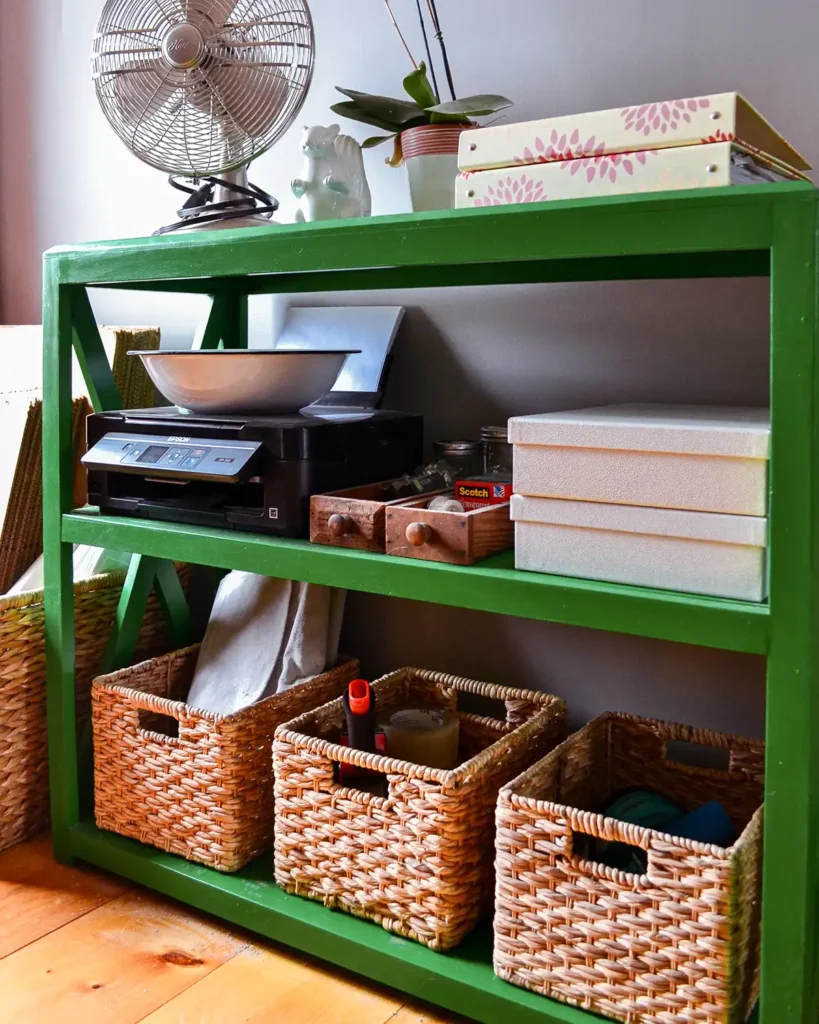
x=153 y=454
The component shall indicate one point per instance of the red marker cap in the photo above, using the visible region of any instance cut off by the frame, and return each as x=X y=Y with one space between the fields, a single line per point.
x=359 y=696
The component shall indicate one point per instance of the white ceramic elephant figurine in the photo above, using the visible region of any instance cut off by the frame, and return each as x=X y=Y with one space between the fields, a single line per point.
x=335 y=185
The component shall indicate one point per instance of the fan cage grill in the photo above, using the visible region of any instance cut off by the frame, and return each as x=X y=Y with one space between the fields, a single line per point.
x=246 y=90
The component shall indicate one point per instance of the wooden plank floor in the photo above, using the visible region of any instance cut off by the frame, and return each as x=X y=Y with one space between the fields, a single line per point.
x=80 y=947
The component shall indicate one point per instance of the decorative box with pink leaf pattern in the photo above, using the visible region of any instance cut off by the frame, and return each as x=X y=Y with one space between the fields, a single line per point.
x=699 y=120
x=610 y=174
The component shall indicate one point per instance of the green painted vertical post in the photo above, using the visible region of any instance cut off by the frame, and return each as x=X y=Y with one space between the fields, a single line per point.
x=236 y=325
x=58 y=458
x=791 y=865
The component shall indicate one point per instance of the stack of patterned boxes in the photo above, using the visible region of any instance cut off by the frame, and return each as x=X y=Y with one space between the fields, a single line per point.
x=703 y=142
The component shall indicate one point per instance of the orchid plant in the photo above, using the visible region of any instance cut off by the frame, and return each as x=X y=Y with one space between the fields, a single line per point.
x=424 y=106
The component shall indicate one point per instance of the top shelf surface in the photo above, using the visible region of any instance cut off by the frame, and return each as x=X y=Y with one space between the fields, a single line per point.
x=704 y=232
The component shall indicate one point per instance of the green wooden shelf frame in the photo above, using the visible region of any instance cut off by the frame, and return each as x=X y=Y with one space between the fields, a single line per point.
x=763 y=230
x=491 y=586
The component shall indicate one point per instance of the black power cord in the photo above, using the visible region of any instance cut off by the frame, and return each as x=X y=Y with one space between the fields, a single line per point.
x=200 y=208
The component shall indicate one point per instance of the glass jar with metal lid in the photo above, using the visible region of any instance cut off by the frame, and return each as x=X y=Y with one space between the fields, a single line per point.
x=497 y=453
x=466 y=458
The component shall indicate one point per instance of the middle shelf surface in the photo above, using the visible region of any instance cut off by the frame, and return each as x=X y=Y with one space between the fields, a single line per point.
x=491 y=586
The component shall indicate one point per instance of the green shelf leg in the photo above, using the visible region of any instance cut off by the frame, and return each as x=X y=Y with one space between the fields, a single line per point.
x=58 y=457
x=791 y=864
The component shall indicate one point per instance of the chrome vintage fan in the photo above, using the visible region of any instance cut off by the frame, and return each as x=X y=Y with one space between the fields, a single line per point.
x=199 y=88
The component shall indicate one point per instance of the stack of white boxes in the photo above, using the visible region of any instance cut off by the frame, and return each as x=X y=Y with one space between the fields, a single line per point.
x=663 y=496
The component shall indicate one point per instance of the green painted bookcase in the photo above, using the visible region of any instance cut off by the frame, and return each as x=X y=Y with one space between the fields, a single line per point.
x=763 y=230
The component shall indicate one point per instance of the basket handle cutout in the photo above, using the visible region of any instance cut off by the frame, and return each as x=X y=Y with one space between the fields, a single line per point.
x=477 y=704
x=163 y=719
x=602 y=858
x=373 y=786
x=510 y=712
x=697 y=755
x=160 y=726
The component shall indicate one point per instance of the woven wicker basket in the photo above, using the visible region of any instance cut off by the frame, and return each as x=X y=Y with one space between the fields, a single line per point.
x=191 y=782
x=680 y=943
x=23 y=740
x=419 y=861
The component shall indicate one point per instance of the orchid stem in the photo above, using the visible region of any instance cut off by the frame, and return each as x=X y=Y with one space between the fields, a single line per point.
x=433 y=11
x=400 y=34
x=427 y=48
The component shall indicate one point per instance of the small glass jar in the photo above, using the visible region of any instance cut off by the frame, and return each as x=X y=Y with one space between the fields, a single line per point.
x=465 y=457
x=497 y=453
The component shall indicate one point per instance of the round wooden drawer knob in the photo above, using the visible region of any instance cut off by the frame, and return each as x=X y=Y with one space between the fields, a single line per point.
x=340 y=525
x=419 y=534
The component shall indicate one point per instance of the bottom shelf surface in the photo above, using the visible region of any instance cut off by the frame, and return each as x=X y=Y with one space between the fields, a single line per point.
x=461 y=981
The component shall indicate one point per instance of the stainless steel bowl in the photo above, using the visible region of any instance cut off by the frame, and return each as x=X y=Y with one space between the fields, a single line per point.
x=259 y=382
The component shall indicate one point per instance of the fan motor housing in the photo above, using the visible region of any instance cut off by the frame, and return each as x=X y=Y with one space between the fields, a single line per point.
x=183 y=46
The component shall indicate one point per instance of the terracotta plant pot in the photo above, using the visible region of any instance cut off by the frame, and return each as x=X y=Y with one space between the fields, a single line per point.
x=431 y=156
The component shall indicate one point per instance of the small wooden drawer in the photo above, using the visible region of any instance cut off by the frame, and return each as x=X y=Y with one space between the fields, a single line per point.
x=461 y=538
x=352 y=519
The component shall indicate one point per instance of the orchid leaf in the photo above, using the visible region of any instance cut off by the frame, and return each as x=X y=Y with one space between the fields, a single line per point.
x=472 y=106
x=356 y=113
x=376 y=140
x=385 y=108
x=418 y=86
x=450 y=119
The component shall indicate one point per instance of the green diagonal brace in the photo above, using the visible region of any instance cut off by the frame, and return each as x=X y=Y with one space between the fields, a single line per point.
x=216 y=327
x=105 y=396
x=143 y=571
x=174 y=604
x=130 y=613
x=96 y=369
x=227 y=324
x=142 y=574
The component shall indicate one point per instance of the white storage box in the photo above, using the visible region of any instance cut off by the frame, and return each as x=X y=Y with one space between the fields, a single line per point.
x=702 y=458
x=697 y=552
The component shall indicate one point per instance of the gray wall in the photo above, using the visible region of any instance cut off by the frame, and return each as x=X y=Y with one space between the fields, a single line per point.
x=471 y=357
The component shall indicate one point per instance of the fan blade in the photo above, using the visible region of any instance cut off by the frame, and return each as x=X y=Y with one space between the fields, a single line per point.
x=217 y=12
x=141 y=88
x=251 y=97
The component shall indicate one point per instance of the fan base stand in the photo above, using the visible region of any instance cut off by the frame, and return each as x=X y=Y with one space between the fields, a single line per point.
x=222 y=203
x=226 y=225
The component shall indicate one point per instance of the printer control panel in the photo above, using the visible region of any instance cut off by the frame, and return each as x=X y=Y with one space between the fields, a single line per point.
x=172 y=457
